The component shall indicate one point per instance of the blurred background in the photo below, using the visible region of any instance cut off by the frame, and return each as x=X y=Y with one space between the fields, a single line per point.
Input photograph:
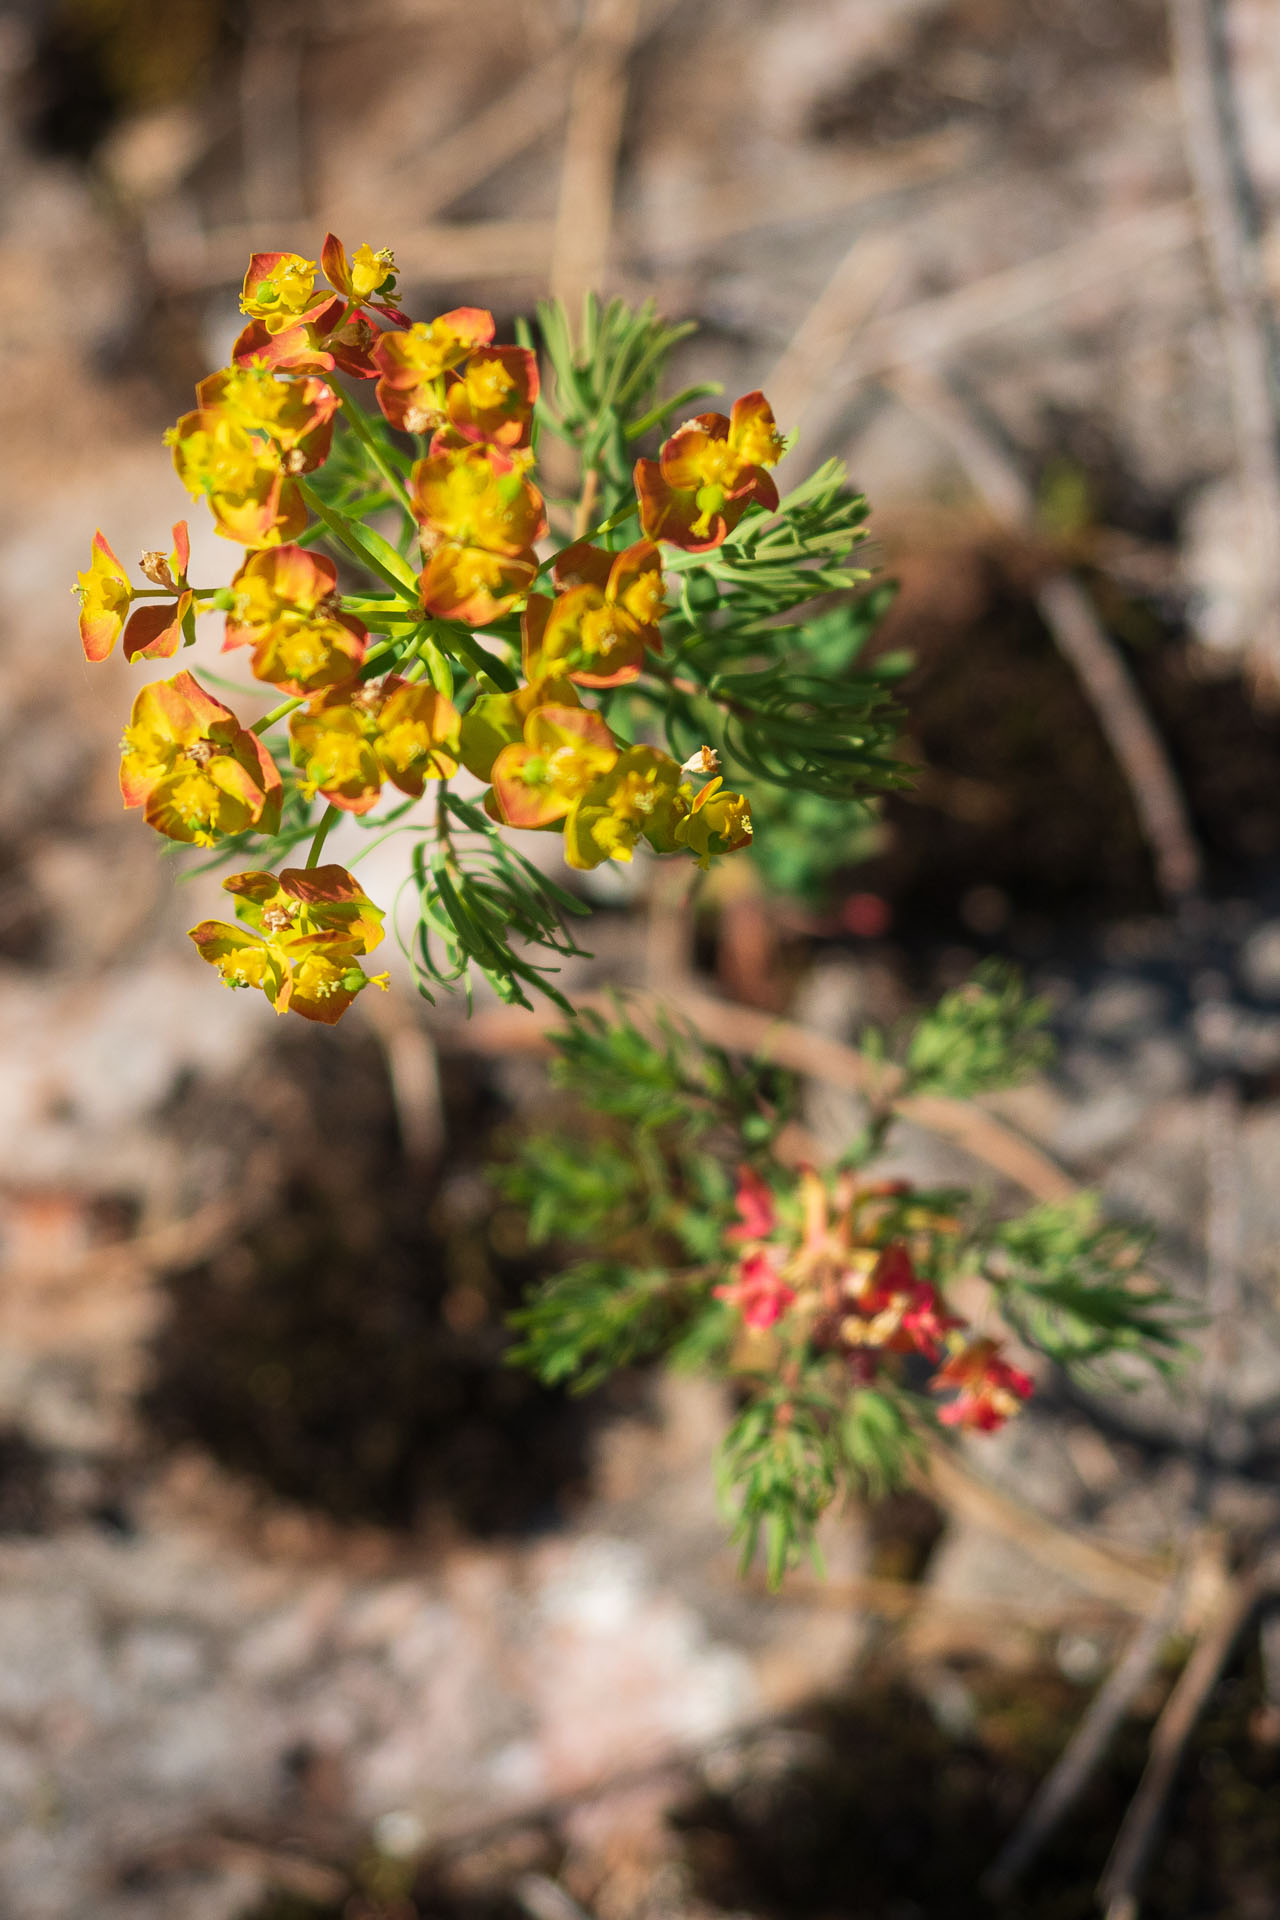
x=307 y=1606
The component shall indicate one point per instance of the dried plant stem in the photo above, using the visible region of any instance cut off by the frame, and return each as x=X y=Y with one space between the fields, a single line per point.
x=863 y=279
x=1069 y=615
x=1137 y=1583
x=1215 y=159
x=1120 y=1884
x=1088 y=1745
x=930 y=330
x=1091 y=1741
x=747 y=1030
x=271 y=133
x=584 y=215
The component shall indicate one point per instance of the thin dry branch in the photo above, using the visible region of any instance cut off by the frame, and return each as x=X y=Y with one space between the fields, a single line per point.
x=931 y=330
x=746 y=1030
x=1088 y=1745
x=1080 y=637
x=1092 y=1739
x=1215 y=157
x=443 y=170
x=271 y=135
x=1122 y=1881
x=584 y=214
x=865 y=276
x=1134 y=1581
x=680 y=233
x=419 y=180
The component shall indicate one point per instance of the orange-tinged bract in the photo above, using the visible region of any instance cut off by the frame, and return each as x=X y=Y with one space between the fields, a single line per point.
x=479 y=519
x=305 y=932
x=347 y=744
x=287 y=608
x=496 y=720
x=642 y=795
x=153 y=630
x=473 y=585
x=718 y=821
x=279 y=290
x=990 y=1390
x=105 y=599
x=477 y=496
x=294 y=413
x=192 y=767
x=242 y=446
x=537 y=779
x=491 y=397
x=412 y=364
x=241 y=476
x=368 y=271
x=597 y=629
x=708 y=473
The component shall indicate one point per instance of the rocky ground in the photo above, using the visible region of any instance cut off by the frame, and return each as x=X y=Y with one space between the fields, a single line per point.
x=292 y=1574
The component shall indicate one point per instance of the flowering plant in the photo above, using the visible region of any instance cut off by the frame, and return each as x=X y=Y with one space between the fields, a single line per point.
x=852 y=1312
x=626 y=665
x=446 y=655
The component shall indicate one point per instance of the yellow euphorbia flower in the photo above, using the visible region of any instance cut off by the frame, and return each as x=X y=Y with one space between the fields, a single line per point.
x=197 y=772
x=348 y=744
x=641 y=796
x=306 y=931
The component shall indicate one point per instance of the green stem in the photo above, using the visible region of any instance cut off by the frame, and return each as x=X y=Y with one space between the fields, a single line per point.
x=328 y=820
x=404 y=588
x=605 y=526
x=368 y=440
x=291 y=706
x=276 y=713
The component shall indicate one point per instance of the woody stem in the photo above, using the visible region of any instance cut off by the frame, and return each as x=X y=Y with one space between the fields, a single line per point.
x=586 y=502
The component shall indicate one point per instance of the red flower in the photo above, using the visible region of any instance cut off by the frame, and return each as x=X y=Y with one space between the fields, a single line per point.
x=991 y=1391
x=896 y=1311
x=759 y=1292
x=756 y=1211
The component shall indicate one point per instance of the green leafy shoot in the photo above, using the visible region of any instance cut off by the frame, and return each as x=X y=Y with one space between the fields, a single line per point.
x=1071 y=1283
x=475 y=896
x=777 y=1474
x=595 y=1318
x=982 y=1036
x=825 y=1301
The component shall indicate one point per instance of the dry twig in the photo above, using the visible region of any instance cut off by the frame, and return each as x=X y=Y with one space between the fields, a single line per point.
x=1069 y=615
x=1088 y=1745
x=1215 y=159
x=931 y=330
x=1127 y=1580
x=864 y=278
x=746 y=1030
x=271 y=111
x=584 y=215
x=1121 y=1883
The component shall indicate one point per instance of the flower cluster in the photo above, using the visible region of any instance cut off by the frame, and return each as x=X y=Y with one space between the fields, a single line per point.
x=286 y=606
x=196 y=772
x=825 y=1267
x=372 y=689
x=307 y=931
